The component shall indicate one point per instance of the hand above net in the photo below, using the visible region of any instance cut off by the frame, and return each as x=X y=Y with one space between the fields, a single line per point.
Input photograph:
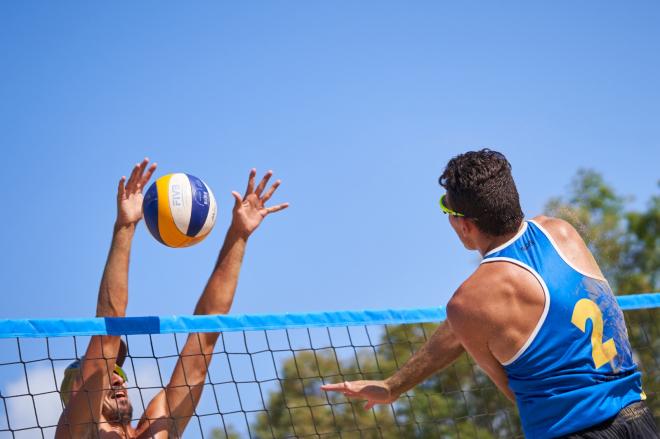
x=129 y=193
x=374 y=391
x=250 y=210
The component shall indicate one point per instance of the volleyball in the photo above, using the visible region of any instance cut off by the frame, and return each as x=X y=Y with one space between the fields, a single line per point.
x=179 y=210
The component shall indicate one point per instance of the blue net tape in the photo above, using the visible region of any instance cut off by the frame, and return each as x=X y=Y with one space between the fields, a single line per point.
x=38 y=328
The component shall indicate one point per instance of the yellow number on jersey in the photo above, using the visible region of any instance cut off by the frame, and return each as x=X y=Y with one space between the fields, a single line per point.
x=584 y=310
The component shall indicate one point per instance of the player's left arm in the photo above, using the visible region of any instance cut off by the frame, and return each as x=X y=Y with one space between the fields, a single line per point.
x=172 y=408
x=97 y=366
x=473 y=327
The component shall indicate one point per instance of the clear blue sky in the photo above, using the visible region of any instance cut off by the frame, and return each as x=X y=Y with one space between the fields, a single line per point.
x=357 y=106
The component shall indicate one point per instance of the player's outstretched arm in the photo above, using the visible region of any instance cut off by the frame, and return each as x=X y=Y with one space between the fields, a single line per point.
x=84 y=405
x=439 y=351
x=172 y=408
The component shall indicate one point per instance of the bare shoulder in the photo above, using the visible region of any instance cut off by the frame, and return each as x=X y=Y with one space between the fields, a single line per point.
x=156 y=422
x=558 y=228
x=570 y=245
x=478 y=299
x=475 y=315
x=82 y=431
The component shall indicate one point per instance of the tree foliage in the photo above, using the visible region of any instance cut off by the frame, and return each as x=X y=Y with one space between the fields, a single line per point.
x=459 y=402
x=219 y=433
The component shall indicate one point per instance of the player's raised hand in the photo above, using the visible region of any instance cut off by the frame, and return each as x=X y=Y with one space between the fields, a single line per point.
x=129 y=193
x=374 y=391
x=250 y=209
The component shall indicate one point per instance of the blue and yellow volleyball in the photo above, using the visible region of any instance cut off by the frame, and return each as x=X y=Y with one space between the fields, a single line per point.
x=179 y=210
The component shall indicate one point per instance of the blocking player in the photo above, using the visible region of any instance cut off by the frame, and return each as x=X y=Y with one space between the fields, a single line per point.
x=94 y=391
x=537 y=315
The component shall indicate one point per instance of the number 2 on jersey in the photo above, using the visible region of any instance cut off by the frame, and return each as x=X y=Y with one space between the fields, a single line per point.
x=584 y=310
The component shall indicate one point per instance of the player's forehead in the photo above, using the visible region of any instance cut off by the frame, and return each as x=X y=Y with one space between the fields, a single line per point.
x=115 y=375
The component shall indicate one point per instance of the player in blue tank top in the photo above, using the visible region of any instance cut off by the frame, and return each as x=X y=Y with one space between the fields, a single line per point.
x=537 y=316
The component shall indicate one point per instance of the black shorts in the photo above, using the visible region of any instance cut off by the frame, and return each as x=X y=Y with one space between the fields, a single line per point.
x=633 y=422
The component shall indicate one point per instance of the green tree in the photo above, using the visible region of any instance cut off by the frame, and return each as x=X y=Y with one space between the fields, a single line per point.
x=642 y=268
x=625 y=243
x=219 y=433
x=460 y=402
x=298 y=408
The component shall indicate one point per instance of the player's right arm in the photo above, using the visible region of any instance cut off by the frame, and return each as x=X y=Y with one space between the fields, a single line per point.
x=439 y=351
x=83 y=410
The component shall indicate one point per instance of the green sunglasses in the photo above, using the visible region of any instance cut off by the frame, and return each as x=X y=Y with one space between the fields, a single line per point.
x=447 y=210
x=76 y=365
x=119 y=371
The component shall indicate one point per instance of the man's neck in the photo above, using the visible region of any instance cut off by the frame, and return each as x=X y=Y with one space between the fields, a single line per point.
x=491 y=242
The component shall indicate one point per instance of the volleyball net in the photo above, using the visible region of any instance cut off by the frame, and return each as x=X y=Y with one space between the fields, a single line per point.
x=265 y=376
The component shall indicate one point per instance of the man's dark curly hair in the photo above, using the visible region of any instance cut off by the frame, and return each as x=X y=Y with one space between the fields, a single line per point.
x=479 y=185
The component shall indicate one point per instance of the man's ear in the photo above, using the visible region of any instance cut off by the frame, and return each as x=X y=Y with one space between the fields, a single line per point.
x=466 y=225
x=468 y=228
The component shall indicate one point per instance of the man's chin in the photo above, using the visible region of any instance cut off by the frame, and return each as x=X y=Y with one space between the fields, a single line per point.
x=118 y=410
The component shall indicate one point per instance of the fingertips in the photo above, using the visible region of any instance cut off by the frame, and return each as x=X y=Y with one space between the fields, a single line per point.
x=250 y=184
x=277 y=208
x=147 y=175
x=262 y=184
x=333 y=386
x=134 y=173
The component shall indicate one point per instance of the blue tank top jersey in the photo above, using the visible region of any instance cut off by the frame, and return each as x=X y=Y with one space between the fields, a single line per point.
x=576 y=369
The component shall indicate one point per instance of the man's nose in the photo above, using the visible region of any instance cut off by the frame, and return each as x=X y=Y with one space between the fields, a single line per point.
x=117 y=380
